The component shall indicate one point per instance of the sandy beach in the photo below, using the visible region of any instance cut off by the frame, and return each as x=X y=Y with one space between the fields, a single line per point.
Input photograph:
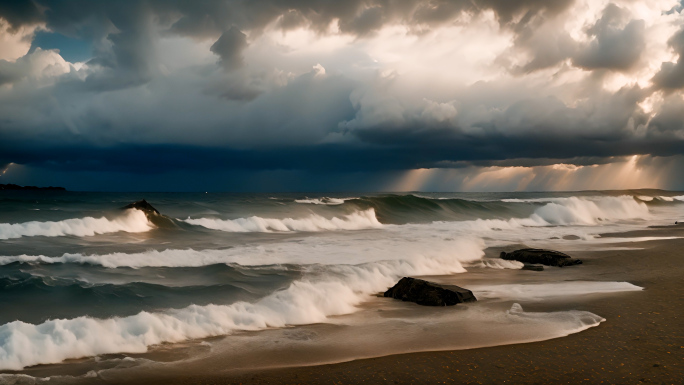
x=642 y=340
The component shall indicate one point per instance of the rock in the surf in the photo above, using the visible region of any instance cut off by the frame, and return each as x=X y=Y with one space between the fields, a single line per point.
x=541 y=256
x=152 y=214
x=429 y=293
x=143 y=206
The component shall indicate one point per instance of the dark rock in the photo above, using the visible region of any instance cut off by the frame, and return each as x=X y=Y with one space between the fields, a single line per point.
x=152 y=214
x=143 y=206
x=541 y=256
x=528 y=266
x=429 y=293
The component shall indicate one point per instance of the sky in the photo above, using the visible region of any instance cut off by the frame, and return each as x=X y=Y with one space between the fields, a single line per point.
x=356 y=95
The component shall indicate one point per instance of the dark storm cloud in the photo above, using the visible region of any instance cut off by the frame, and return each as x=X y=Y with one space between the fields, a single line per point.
x=123 y=33
x=440 y=148
x=614 y=47
x=127 y=112
x=617 y=41
x=506 y=9
x=368 y=20
x=546 y=51
x=229 y=48
x=669 y=120
x=20 y=12
x=671 y=75
x=204 y=18
x=527 y=133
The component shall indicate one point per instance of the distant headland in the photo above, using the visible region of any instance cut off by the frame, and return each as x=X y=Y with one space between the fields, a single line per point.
x=17 y=187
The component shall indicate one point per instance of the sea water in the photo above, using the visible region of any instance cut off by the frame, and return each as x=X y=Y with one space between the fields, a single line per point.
x=81 y=277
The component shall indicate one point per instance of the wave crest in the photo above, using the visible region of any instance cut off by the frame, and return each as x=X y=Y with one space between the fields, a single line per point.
x=356 y=221
x=132 y=221
x=324 y=201
x=576 y=211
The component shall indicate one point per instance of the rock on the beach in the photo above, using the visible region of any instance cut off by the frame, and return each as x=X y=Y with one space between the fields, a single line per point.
x=429 y=293
x=143 y=206
x=541 y=256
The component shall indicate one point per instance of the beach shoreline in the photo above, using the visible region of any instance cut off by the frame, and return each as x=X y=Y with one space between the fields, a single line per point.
x=642 y=340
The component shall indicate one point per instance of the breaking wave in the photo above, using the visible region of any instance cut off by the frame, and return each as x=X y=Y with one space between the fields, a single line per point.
x=356 y=221
x=324 y=201
x=305 y=252
x=578 y=211
x=132 y=221
x=335 y=290
x=660 y=198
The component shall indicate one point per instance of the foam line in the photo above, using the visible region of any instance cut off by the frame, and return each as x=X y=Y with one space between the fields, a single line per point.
x=551 y=290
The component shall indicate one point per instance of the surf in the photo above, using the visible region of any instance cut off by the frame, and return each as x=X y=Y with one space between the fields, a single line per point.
x=131 y=221
x=356 y=221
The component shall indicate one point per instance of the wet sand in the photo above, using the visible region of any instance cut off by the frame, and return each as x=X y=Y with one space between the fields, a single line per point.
x=642 y=340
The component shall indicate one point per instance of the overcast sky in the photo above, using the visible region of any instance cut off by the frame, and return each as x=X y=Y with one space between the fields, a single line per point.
x=304 y=95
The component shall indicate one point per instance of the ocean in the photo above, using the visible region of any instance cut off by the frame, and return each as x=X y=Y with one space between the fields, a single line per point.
x=267 y=280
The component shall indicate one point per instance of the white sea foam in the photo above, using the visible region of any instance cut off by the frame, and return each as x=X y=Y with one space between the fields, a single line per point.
x=311 y=250
x=577 y=211
x=574 y=321
x=497 y=263
x=324 y=201
x=551 y=290
x=647 y=198
x=358 y=220
x=132 y=221
x=630 y=239
x=337 y=290
x=586 y=210
x=530 y=200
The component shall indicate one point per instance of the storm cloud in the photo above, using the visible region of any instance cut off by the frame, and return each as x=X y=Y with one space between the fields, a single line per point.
x=361 y=86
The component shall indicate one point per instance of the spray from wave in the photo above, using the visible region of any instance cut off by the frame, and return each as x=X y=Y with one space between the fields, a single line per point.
x=132 y=221
x=561 y=212
x=356 y=221
x=577 y=211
